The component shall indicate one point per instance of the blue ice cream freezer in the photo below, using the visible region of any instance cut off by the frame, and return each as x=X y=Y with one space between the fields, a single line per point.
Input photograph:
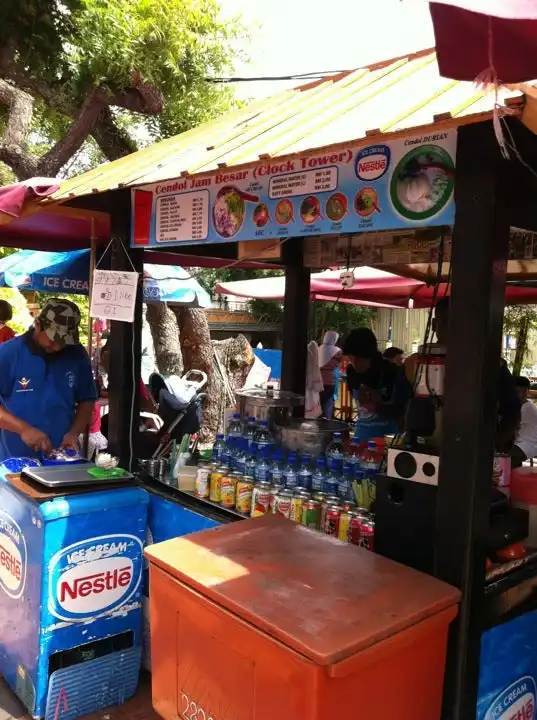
x=71 y=569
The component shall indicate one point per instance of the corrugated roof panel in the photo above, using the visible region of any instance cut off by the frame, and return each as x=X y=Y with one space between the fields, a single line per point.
x=406 y=93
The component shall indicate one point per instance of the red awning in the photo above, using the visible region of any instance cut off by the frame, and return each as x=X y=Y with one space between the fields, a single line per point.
x=486 y=36
x=371 y=286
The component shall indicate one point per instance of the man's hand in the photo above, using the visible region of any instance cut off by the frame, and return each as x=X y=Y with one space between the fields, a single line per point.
x=36 y=440
x=70 y=441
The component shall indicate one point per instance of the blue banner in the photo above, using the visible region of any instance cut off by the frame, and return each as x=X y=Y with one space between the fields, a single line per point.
x=407 y=182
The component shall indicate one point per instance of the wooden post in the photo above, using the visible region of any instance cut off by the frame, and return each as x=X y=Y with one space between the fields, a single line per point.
x=480 y=247
x=295 y=317
x=125 y=343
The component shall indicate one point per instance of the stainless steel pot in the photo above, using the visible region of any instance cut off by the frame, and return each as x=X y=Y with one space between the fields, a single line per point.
x=309 y=436
x=274 y=406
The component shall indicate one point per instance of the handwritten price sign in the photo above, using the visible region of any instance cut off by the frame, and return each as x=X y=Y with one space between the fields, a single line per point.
x=113 y=295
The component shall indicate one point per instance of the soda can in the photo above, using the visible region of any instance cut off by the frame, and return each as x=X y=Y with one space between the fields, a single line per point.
x=300 y=489
x=228 y=485
x=311 y=514
x=201 y=486
x=297 y=505
x=215 y=483
x=319 y=497
x=354 y=532
x=328 y=501
x=274 y=490
x=282 y=503
x=348 y=505
x=332 y=514
x=260 y=499
x=344 y=524
x=243 y=495
x=367 y=535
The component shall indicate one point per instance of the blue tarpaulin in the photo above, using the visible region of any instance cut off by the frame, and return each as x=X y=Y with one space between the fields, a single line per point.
x=68 y=272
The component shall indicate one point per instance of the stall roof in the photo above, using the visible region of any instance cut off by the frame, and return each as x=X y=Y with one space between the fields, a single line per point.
x=394 y=96
x=400 y=95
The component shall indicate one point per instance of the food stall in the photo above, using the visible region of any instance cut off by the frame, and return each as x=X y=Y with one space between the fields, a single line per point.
x=328 y=205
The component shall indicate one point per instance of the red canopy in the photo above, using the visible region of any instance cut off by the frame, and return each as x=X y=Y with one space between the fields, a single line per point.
x=371 y=286
x=486 y=36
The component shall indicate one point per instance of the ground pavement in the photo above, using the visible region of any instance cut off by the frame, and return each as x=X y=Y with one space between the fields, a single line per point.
x=138 y=708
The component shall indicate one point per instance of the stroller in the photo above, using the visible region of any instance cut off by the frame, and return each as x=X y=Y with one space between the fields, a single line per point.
x=179 y=401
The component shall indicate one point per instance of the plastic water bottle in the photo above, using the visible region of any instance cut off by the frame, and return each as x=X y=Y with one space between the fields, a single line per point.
x=370 y=459
x=354 y=451
x=333 y=476
x=317 y=479
x=263 y=437
x=251 y=461
x=336 y=449
x=289 y=471
x=242 y=455
x=305 y=474
x=262 y=467
x=251 y=427
x=234 y=428
x=345 y=488
x=276 y=468
x=218 y=446
x=227 y=451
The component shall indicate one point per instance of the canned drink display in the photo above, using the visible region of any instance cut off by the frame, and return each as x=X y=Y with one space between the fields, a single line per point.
x=215 y=483
x=282 y=503
x=260 y=499
x=332 y=514
x=311 y=514
x=367 y=535
x=243 y=495
x=228 y=484
x=201 y=486
x=297 y=505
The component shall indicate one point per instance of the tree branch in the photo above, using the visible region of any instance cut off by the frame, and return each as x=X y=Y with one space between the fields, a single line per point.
x=82 y=126
x=110 y=138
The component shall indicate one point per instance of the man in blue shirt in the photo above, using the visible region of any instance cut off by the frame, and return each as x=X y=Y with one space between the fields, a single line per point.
x=47 y=390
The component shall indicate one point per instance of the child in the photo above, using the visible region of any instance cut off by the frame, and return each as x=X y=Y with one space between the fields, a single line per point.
x=6 y=313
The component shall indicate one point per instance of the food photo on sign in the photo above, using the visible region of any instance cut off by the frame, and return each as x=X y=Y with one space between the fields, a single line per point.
x=403 y=183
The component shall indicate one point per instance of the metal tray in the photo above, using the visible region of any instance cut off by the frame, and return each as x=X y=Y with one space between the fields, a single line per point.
x=70 y=474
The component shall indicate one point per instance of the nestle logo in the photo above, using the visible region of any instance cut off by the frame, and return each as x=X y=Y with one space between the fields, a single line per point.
x=372 y=162
x=12 y=557
x=11 y=562
x=94 y=576
x=97 y=583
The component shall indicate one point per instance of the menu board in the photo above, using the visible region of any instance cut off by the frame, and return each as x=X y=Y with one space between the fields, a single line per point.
x=405 y=183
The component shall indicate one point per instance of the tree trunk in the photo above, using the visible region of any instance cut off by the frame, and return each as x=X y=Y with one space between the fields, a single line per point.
x=165 y=334
x=521 y=343
x=237 y=357
x=197 y=353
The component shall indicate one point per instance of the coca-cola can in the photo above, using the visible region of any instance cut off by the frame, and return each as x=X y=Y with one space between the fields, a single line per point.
x=332 y=514
x=367 y=535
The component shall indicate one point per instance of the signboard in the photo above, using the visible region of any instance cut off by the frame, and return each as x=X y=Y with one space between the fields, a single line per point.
x=113 y=295
x=383 y=186
x=12 y=557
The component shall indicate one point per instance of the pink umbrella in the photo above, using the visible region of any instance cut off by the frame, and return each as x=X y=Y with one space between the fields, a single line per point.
x=13 y=197
x=493 y=40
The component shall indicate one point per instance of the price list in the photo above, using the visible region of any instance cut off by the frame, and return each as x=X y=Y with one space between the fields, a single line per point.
x=183 y=217
x=303 y=183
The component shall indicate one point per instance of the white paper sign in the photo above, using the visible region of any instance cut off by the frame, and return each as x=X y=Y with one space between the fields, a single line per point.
x=113 y=295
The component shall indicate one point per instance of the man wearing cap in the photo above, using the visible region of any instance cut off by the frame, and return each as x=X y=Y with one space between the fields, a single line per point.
x=47 y=390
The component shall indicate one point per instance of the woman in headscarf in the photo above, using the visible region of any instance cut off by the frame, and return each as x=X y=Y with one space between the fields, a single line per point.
x=329 y=358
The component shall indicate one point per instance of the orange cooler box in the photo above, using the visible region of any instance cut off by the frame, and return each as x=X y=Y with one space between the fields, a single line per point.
x=268 y=620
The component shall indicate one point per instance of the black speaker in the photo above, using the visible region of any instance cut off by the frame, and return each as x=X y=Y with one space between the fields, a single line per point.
x=405 y=522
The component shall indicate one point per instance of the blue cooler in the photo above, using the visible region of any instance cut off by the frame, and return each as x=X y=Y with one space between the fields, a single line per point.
x=71 y=570
x=166 y=519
